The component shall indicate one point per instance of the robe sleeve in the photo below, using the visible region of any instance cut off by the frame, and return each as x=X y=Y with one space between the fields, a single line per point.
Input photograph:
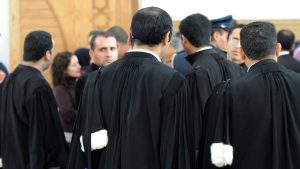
x=86 y=123
x=215 y=140
x=47 y=144
x=200 y=91
x=177 y=139
x=78 y=158
x=201 y=87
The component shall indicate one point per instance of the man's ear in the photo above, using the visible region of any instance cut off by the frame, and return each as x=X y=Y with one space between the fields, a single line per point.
x=48 y=55
x=167 y=38
x=91 y=53
x=129 y=41
x=277 y=49
x=215 y=36
x=243 y=54
x=183 y=39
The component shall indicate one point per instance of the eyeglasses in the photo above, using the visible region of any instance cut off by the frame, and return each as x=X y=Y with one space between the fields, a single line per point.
x=234 y=41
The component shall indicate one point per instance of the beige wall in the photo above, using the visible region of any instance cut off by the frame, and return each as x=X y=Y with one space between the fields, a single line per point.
x=69 y=21
x=293 y=25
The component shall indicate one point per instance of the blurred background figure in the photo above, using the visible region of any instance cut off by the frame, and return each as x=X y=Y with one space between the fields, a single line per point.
x=287 y=40
x=174 y=47
x=219 y=34
x=297 y=54
x=234 y=45
x=3 y=72
x=121 y=35
x=65 y=71
x=83 y=58
x=179 y=59
x=297 y=43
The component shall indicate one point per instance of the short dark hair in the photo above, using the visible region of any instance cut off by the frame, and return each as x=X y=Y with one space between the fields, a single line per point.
x=59 y=66
x=196 y=28
x=93 y=40
x=286 y=38
x=220 y=30
x=94 y=32
x=258 y=40
x=36 y=44
x=236 y=26
x=119 y=33
x=149 y=26
x=83 y=56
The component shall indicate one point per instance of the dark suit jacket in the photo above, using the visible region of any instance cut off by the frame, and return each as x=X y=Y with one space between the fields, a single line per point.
x=289 y=62
x=181 y=64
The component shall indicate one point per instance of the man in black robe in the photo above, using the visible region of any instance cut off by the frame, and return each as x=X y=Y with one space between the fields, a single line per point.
x=103 y=51
x=254 y=121
x=209 y=68
x=30 y=131
x=135 y=113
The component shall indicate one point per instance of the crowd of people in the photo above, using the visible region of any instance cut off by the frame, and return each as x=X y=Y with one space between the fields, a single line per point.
x=226 y=96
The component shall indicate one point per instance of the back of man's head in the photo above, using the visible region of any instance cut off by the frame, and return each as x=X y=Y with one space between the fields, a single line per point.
x=196 y=28
x=258 y=40
x=36 y=44
x=83 y=56
x=119 y=33
x=149 y=26
x=286 y=38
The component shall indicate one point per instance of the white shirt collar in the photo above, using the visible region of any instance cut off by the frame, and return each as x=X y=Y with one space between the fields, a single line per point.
x=205 y=48
x=254 y=64
x=250 y=66
x=284 y=52
x=146 y=51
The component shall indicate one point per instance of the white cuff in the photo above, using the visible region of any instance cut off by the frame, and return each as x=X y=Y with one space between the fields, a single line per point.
x=221 y=154
x=99 y=140
x=1 y=165
x=228 y=154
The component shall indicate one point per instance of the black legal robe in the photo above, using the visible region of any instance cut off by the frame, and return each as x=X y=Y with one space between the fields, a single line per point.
x=209 y=69
x=30 y=130
x=259 y=115
x=145 y=107
x=81 y=82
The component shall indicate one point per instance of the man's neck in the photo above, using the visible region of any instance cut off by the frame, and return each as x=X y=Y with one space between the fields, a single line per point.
x=193 y=49
x=35 y=65
x=249 y=62
x=155 y=49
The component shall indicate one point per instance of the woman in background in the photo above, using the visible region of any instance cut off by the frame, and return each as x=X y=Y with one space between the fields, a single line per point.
x=3 y=72
x=65 y=71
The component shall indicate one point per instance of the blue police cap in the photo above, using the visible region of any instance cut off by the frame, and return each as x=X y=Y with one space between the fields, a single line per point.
x=225 y=22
